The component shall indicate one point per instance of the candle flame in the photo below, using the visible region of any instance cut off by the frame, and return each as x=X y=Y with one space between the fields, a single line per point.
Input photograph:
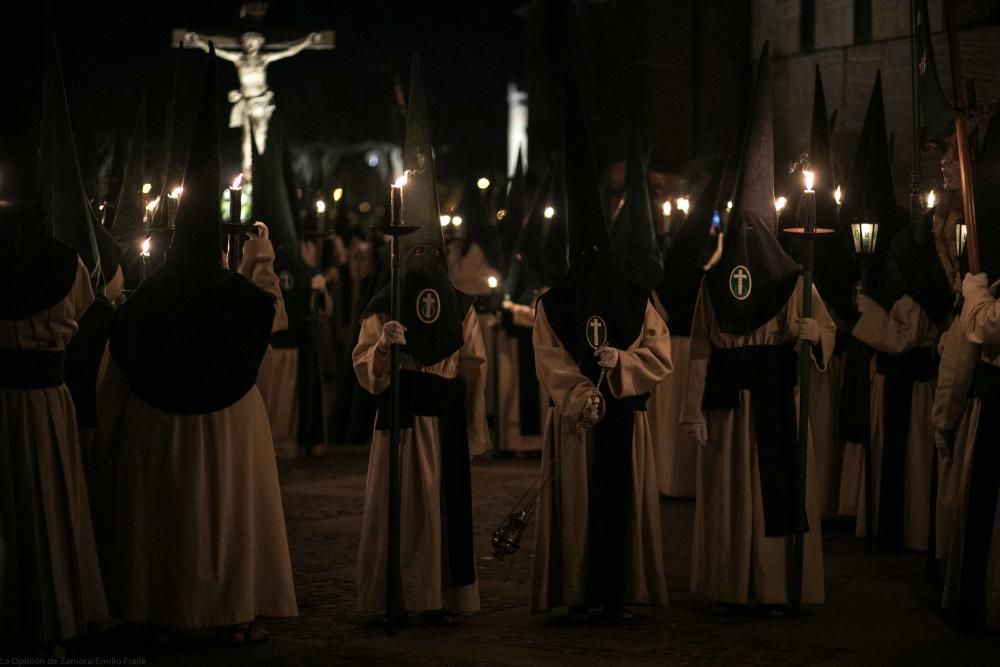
x=492 y=281
x=338 y=194
x=238 y=182
x=151 y=206
x=931 y=199
x=457 y=220
x=780 y=203
x=549 y=213
x=320 y=206
x=667 y=208
x=147 y=188
x=838 y=195
x=683 y=205
x=809 y=177
x=445 y=220
x=729 y=205
x=145 y=248
x=483 y=183
x=402 y=180
x=176 y=192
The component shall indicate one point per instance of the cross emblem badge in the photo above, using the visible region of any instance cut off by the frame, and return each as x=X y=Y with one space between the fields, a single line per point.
x=287 y=280
x=740 y=282
x=428 y=306
x=597 y=332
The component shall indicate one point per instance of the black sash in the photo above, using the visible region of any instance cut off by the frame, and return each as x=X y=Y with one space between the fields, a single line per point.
x=609 y=489
x=430 y=395
x=83 y=359
x=31 y=369
x=984 y=484
x=855 y=394
x=769 y=373
x=900 y=371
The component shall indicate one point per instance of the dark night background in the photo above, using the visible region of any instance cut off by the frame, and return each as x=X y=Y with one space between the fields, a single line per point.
x=114 y=55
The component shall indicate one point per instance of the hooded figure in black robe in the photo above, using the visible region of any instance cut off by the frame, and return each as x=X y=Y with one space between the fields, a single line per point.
x=594 y=322
x=304 y=304
x=972 y=590
x=442 y=414
x=741 y=402
x=198 y=536
x=904 y=308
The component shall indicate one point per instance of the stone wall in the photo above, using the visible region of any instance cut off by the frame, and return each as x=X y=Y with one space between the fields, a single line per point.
x=849 y=73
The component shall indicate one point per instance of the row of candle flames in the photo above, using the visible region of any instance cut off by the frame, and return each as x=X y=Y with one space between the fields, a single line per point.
x=864 y=232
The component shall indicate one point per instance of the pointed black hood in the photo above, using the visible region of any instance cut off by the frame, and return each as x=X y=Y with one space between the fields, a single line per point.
x=478 y=224
x=69 y=212
x=595 y=304
x=431 y=309
x=555 y=248
x=632 y=232
x=515 y=213
x=197 y=238
x=28 y=254
x=525 y=277
x=869 y=186
x=129 y=211
x=270 y=205
x=754 y=277
x=191 y=337
x=835 y=268
x=683 y=265
x=937 y=116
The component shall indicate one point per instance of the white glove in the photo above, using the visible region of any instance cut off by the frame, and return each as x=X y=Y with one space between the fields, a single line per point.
x=393 y=333
x=806 y=328
x=697 y=432
x=608 y=357
x=262 y=231
x=591 y=413
x=974 y=284
x=942 y=441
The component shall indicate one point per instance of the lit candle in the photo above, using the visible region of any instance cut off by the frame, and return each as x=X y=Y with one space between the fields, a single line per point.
x=807 y=204
x=144 y=258
x=483 y=183
x=931 y=199
x=550 y=212
x=457 y=220
x=780 y=203
x=396 y=200
x=683 y=205
x=173 y=200
x=667 y=208
x=236 y=200
x=838 y=196
x=445 y=220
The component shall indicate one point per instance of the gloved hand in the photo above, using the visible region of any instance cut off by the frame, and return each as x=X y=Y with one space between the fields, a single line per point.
x=974 y=285
x=393 y=332
x=697 y=432
x=806 y=328
x=942 y=440
x=591 y=413
x=262 y=230
x=608 y=357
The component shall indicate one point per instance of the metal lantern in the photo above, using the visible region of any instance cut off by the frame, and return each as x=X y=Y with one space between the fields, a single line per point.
x=864 y=231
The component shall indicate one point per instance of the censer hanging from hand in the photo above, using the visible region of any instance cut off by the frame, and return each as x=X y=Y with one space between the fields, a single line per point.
x=507 y=537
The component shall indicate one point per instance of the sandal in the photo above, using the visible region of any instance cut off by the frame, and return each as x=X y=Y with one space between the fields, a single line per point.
x=441 y=617
x=243 y=633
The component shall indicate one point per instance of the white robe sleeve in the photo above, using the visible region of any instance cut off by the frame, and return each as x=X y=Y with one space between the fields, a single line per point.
x=902 y=329
x=472 y=370
x=566 y=386
x=258 y=265
x=701 y=351
x=647 y=361
x=958 y=362
x=980 y=312
x=370 y=364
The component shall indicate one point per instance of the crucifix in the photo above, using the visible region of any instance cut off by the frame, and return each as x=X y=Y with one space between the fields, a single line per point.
x=253 y=103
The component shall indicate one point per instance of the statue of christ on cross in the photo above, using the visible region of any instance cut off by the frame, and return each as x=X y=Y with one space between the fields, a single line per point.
x=253 y=102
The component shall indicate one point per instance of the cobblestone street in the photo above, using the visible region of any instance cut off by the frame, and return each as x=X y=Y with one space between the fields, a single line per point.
x=878 y=610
